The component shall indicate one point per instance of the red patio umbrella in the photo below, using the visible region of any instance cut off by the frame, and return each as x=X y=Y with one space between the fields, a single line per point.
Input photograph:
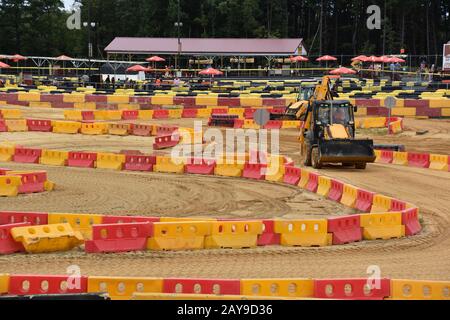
x=326 y=58
x=374 y=59
x=138 y=68
x=396 y=60
x=17 y=58
x=361 y=58
x=4 y=65
x=343 y=70
x=155 y=59
x=299 y=59
x=64 y=58
x=210 y=72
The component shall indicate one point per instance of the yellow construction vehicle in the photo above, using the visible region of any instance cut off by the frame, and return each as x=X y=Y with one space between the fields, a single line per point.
x=328 y=131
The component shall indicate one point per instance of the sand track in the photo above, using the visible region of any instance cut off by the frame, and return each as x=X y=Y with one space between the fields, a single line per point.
x=426 y=256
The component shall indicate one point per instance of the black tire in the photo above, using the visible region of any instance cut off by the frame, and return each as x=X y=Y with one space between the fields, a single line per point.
x=315 y=158
x=347 y=164
x=307 y=155
x=361 y=166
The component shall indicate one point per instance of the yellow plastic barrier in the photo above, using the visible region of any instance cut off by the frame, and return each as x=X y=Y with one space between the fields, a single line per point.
x=73 y=115
x=179 y=235
x=304 y=233
x=204 y=113
x=439 y=162
x=234 y=234
x=91 y=106
x=420 y=290
x=294 y=288
x=396 y=127
x=17 y=125
x=237 y=112
x=163 y=100
x=47 y=105
x=54 y=158
x=48 y=238
x=6 y=153
x=400 y=158
x=9 y=186
x=250 y=124
x=4 y=283
x=370 y=123
x=291 y=124
x=68 y=127
x=168 y=165
x=11 y=114
x=119 y=129
x=362 y=112
x=98 y=128
x=440 y=103
x=304 y=178
x=324 y=186
x=124 y=288
x=118 y=99
x=404 y=112
x=175 y=113
x=29 y=97
x=189 y=136
x=349 y=196
x=128 y=106
x=110 y=161
x=251 y=101
x=378 y=155
x=381 y=204
x=229 y=169
x=206 y=100
x=276 y=170
x=146 y=114
x=80 y=222
x=100 y=115
x=383 y=226
x=113 y=115
x=73 y=98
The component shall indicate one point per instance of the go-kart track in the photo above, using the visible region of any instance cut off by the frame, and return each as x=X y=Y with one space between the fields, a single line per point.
x=425 y=256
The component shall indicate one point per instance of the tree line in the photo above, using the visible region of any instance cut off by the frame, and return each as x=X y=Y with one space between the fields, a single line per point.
x=38 y=27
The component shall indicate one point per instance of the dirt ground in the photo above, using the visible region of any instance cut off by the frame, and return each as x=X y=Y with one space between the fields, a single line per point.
x=426 y=256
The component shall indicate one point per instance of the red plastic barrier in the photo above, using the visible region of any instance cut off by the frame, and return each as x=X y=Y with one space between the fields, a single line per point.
x=238 y=124
x=82 y=159
x=201 y=286
x=249 y=113
x=397 y=205
x=96 y=98
x=32 y=182
x=269 y=237
x=420 y=160
x=7 y=243
x=119 y=237
x=12 y=217
x=387 y=156
x=142 y=130
x=141 y=100
x=229 y=102
x=345 y=229
x=3 y=127
x=336 y=190
x=130 y=114
x=278 y=110
x=377 y=111
x=410 y=219
x=63 y=105
x=368 y=102
x=364 y=200
x=165 y=142
x=165 y=130
x=292 y=175
x=189 y=113
x=184 y=101
x=52 y=98
x=88 y=115
x=416 y=103
x=313 y=182
x=161 y=114
x=139 y=163
x=128 y=219
x=201 y=166
x=42 y=285
x=39 y=125
x=219 y=111
x=273 y=125
x=254 y=171
x=275 y=102
x=26 y=155
x=3 y=171
x=353 y=289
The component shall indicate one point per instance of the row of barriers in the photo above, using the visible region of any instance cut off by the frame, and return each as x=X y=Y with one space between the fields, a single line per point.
x=394 y=124
x=13 y=183
x=388 y=217
x=125 y=288
x=413 y=159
